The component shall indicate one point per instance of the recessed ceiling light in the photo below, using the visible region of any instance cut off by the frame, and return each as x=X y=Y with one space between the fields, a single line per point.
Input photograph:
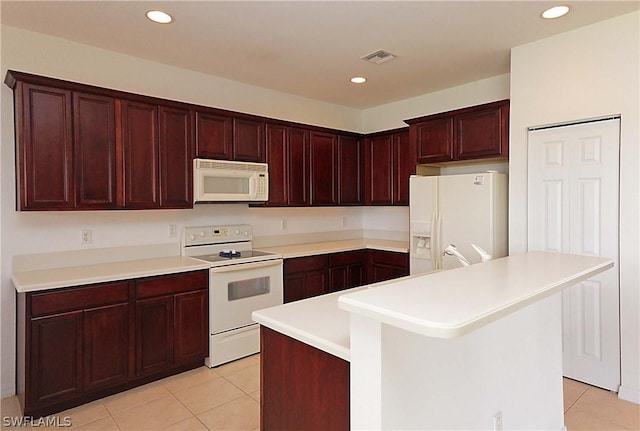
x=358 y=79
x=555 y=12
x=159 y=16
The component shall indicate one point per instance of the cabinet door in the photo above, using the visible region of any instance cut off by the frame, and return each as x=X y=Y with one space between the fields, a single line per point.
x=305 y=277
x=45 y=160
x=154 y=335
x=298 y=164
x=191 y=327
x=214 y=136
x=277 y=160
x=323 y=169
x=404 y=165
x=379 y=170
x=176 y=158
x=55 y=359
x=349 y=171
x=483 y=133
x=248 y=140
x=140 y=143
x=434 y=140
x=385 y=265
x=106 y=346
x=95 y=151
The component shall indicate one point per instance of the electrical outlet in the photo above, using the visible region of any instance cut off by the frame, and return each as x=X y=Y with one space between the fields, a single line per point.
x=497 y=422
x=172 y=230
x=86 y=236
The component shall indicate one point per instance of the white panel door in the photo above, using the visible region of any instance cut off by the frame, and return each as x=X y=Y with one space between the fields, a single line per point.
x=573 y=208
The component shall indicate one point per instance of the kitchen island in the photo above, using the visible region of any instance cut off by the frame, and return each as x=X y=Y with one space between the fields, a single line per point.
x=477 y=347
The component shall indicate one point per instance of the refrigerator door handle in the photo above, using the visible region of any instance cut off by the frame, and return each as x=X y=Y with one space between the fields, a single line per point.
x=434 y=241
x=435 y=247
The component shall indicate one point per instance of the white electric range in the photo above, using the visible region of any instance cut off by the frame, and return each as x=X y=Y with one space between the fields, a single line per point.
x=241 y=280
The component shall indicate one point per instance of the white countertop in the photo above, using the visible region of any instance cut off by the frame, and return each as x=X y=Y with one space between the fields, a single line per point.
x=310 y=249
x=315 y=321
x=442 y=304
x=30 y=281
x=452 y=303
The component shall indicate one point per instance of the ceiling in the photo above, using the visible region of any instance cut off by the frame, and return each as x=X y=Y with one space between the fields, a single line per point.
x=313 y=48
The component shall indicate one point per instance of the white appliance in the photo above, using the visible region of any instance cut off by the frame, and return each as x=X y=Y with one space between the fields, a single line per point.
x=450 y=214
x=241 y=281
x=227 y=181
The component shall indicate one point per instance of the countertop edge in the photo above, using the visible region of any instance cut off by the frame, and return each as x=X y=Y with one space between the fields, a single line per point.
x=313 y=249
x=432 y=329
x=181 y=264
x=303 y=336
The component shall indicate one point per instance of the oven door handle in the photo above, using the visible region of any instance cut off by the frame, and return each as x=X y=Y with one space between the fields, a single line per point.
x=246 y=266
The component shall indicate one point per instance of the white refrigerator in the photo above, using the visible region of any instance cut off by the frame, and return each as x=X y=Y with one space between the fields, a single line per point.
x=457 y=210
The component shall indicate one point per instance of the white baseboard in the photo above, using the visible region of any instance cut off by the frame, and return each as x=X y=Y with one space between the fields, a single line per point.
x=629 y=394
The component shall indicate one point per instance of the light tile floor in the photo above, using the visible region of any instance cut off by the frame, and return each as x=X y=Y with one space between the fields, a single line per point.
x=227 y=398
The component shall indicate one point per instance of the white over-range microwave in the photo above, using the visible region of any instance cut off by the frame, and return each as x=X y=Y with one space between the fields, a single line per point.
x=226 y=181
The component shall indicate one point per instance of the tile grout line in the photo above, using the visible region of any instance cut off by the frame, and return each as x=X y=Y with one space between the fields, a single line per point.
x=576 y=401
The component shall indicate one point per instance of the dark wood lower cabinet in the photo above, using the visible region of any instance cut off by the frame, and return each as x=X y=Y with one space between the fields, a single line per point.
x=81 y=343
x=385 y=265
x=106 y=346
x=302 y=388
x=305 y=277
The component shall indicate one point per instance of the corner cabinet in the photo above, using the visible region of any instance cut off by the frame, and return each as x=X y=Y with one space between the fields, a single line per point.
x=81 y=343
x=80 y=147
x=305 y=277
x=476 y=132
x=389 y=160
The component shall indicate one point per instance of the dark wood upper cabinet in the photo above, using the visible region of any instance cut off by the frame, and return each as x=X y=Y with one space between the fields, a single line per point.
x=324 y=175
x=288 y=159
x=248 y=140
x=141 y=155
x=349 y=171
x=277 y=160
x=378 y=159
x=44 y=147
x=476 y=132
x=214 y=135
x=434 y=140
x=176 y=157
x=404 y=165
x=483 y=132
x=95 y=151
x=298 y=165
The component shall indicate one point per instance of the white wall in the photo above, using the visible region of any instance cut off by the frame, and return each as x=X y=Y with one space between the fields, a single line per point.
x=392 y=115
x=589 y=72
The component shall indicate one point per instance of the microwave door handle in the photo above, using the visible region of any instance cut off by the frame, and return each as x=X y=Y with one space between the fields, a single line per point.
x=247 y=266
x=253 y=187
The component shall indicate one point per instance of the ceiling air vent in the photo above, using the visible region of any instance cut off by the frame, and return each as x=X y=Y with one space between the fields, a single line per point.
x=379 y=57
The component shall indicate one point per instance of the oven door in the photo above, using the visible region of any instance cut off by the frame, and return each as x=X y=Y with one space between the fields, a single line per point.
x=236 y=291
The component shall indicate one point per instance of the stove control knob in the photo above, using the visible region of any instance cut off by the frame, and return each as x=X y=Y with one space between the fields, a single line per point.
x=246 y=233
x=192 y=237
x=237 y=231
x=202 y=234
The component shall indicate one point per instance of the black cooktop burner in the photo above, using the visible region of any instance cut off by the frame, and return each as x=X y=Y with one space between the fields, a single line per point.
x=230 y=253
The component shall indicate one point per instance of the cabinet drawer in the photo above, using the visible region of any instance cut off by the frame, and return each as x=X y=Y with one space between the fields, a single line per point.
x=170 y=284
x=78 y=298
x=346 y=258
x=299 y=264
